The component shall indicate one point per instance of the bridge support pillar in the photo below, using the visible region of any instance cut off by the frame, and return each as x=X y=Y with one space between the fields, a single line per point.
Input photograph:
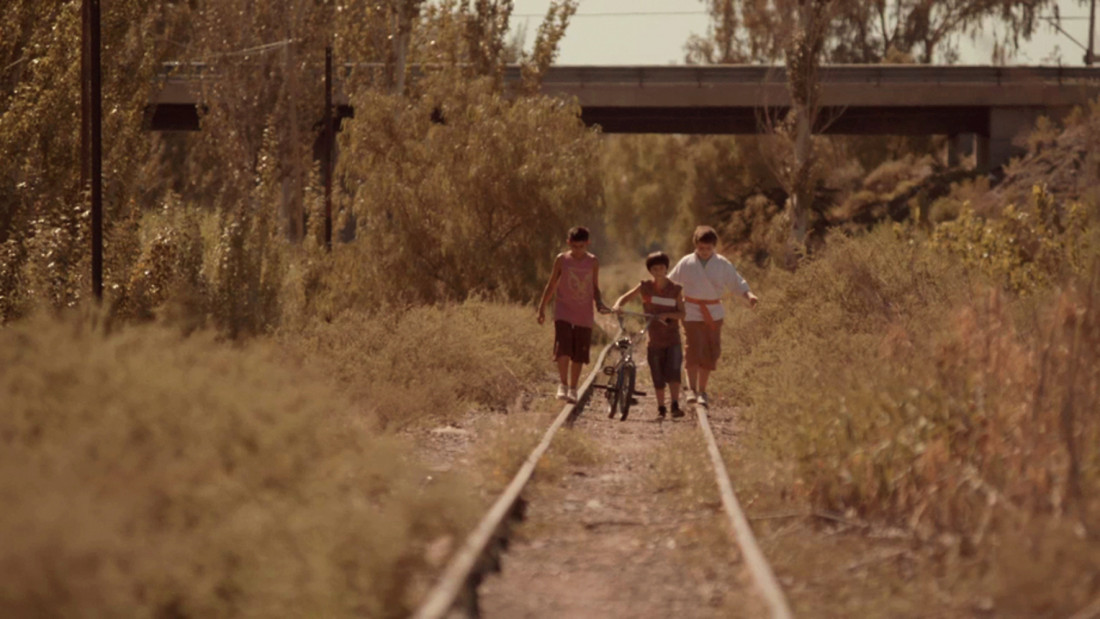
x=982 y=161
x=1008 y=131
x=959 y=145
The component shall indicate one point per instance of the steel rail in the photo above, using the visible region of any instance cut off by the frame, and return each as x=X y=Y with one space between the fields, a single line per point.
x=762 y=574
x=460 y=571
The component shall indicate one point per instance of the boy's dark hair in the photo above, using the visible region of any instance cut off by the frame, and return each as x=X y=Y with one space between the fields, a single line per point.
x=578 y=233
x=705 y=234
x=657 y=257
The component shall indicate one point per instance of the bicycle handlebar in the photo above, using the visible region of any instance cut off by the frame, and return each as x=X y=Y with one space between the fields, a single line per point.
x=649 y=318
x=638 y=314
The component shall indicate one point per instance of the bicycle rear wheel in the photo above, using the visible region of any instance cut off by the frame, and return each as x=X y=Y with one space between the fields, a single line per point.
x=626 y=389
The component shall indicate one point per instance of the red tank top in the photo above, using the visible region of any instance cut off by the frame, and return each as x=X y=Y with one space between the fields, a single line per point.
x=661 y=302
x=574 y=301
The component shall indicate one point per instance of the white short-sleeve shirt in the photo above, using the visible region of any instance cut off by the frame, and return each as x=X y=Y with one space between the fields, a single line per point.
x=707 y=282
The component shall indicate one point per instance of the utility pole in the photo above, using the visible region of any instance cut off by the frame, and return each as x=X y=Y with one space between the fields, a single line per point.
x=92 y=138
x=85 y=98
x=1089 y=53
x=329 y=144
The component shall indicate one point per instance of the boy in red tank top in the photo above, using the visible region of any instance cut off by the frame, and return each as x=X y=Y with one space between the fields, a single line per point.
x=575 y=285
x=664 y=298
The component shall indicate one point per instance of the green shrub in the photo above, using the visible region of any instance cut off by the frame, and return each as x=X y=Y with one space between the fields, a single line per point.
x=1026 y=247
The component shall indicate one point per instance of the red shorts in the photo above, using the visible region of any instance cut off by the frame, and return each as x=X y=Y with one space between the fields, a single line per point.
x=571 y=341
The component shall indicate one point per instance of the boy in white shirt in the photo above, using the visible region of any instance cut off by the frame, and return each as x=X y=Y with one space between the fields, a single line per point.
x=706 y=277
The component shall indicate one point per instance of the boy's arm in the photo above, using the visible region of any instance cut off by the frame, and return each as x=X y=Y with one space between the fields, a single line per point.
x=555 y=273
x=633 y=292
x=737 y=282
x=596 y=287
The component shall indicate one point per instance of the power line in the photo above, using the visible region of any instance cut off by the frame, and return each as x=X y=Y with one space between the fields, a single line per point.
x=674 y=13
x=627 y=14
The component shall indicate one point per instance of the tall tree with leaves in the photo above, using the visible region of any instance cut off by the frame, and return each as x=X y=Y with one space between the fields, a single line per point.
x=861 y=31
x=803 y=60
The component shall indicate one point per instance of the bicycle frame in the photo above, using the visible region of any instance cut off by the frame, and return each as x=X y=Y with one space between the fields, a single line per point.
x=622 y=374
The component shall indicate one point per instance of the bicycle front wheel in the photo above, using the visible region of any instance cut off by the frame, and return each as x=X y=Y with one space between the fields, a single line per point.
x=626 y=389
x=614 y=393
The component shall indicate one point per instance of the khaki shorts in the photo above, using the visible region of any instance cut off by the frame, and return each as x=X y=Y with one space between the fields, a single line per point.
x=703 y=344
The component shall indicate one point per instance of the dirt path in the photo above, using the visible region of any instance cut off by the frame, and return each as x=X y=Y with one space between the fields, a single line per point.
x=607 y=541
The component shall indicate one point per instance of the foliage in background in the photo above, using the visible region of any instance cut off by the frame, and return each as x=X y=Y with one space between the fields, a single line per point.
x=476 y=204
x=43 y=225
x=251 y=169
x=1027 y=247
x=800 y=34
x=862 y=32
x=658 y=188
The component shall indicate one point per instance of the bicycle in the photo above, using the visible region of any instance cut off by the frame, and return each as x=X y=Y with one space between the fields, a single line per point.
x=622 y=375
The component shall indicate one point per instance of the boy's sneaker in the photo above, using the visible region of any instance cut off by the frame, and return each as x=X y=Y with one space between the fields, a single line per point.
x=676 y=412
x=702 y=399
x=661 y=411
x=563 y=394
x=692 y=397
x=571 y=397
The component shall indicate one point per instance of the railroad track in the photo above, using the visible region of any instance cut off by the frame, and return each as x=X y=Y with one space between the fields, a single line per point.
x=455 y=593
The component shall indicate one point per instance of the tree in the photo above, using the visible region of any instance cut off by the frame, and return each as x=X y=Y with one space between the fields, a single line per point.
x=804 y=33
x=476 y=200
x=803 y=58
x=43 y=232
x=863 y=32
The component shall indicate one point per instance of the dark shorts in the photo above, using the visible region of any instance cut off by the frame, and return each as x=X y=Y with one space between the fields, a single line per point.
x=571 y=341
x=704 y=344
x=665 y=365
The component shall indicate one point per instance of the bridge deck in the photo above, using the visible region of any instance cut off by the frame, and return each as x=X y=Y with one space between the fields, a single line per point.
x=994 y=102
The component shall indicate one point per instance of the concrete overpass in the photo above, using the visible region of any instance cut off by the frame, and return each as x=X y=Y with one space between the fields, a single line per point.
x=993 y=104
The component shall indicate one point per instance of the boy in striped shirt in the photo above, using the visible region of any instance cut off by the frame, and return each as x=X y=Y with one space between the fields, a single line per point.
x=663 y=299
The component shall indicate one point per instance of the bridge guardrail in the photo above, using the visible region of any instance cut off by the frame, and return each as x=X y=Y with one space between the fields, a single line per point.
x=747 y=73
x=829 y=74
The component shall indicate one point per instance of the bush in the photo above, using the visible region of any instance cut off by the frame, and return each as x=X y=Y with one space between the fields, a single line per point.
x=145 y=475
x=1026 y=247
x=918 y=394
x=475 y=205
x=429 y=362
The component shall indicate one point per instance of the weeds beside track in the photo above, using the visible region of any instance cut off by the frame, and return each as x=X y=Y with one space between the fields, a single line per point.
x=457 y=589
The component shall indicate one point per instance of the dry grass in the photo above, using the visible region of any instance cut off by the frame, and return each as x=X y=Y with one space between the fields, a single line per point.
x=146 y=474
x=682 y=470
x=508 y=440
x=431 y=362
x=910 y=392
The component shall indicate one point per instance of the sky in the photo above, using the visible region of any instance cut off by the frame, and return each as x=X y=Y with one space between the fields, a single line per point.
x=653 y=32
